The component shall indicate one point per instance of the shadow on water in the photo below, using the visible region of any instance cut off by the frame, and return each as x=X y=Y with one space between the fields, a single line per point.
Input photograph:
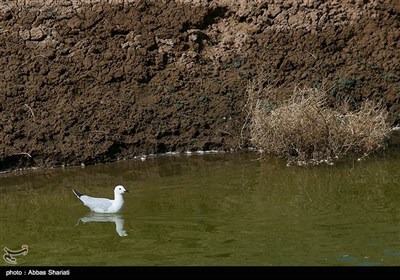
x=114 y=218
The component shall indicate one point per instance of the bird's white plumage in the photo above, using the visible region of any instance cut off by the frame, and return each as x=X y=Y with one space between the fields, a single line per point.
x=99 y=205
x=104 y=205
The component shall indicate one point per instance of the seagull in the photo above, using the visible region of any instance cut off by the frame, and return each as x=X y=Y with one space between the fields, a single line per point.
x=103 y=205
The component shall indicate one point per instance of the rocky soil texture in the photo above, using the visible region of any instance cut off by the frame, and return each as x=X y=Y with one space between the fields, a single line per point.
x=93 y=81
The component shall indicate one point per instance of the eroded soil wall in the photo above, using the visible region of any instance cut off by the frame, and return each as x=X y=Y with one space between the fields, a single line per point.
x=92 y=81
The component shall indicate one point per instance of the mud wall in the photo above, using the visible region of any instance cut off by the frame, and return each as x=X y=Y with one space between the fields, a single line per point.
x=92 y=81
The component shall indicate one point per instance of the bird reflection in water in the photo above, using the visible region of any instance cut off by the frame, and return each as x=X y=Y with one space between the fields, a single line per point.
x=116 y=218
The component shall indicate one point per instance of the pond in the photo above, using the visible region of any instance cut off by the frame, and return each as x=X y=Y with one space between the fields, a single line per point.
x=224 y=209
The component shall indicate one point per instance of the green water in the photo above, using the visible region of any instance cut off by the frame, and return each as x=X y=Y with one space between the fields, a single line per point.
x=222 y=209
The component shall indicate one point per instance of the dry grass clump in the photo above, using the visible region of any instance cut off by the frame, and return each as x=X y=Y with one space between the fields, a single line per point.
x=305 y=129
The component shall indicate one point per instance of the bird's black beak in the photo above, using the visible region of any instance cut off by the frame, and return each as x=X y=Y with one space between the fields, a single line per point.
x=126 y=190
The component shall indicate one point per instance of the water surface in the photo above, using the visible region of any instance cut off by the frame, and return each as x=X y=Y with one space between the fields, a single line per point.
x=220 y=209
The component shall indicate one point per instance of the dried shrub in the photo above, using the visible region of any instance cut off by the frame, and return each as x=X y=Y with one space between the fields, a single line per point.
x=305 y=128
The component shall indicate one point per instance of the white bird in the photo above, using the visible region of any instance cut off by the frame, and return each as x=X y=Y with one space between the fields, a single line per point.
x=103 y=205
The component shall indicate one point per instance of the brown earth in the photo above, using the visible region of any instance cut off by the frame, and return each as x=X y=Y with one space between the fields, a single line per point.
x=93 y=81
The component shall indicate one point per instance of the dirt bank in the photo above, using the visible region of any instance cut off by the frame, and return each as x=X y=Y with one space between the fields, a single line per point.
x=92 y=81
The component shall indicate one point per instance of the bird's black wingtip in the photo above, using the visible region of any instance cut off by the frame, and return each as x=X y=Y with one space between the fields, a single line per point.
x=78 y=194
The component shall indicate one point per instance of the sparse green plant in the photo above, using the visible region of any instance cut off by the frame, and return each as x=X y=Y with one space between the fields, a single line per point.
x=390 y=77
x=348 y=84
x=304 y=129
x=237 y=61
